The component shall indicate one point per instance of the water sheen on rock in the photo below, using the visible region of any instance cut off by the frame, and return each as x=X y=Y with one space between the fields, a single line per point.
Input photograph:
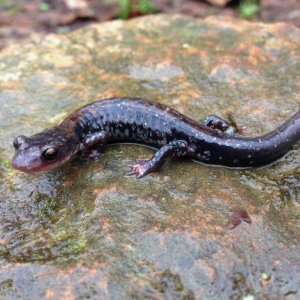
x=89 y=231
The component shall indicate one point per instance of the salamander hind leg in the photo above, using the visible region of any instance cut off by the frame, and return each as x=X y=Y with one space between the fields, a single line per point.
x=221 y=124
x=175 y=148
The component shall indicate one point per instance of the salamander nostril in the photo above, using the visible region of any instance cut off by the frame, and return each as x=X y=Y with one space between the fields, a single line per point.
x=19 y=141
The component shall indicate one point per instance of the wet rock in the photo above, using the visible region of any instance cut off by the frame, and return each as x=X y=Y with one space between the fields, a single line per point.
x=89 y=231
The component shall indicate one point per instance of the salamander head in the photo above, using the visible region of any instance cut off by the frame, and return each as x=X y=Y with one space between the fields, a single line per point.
x=43 y=151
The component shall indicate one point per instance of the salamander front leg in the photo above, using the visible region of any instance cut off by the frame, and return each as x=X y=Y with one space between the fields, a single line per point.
x=175 y=148
x=219 y=123
x=95 y=138
x=92 y=144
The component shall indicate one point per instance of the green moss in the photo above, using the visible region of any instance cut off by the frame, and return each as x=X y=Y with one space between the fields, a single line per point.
x=146 y=7
x=44 y=6
x=4 y=4
x=138 y=6
x=249 y=8
x=124 y=9
x=77 y=245
x=48 y=207
x=10 y=6
x=5 y=167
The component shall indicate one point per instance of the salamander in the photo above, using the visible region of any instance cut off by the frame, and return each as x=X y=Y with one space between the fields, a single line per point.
x=117 y=120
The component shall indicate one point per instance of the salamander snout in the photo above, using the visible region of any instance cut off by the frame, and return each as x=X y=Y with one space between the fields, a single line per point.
x=44 y=151
x=20 y=142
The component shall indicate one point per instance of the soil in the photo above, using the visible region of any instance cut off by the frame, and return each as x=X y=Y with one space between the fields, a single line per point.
x=21 y=18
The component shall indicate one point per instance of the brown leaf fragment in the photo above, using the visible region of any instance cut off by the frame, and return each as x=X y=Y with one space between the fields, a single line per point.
x=238 y=215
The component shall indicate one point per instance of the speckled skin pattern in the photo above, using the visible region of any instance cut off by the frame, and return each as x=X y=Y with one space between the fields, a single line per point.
x=118 y=120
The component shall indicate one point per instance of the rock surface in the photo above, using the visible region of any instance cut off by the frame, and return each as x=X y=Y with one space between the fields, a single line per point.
x=280 y=11
x=87 y=231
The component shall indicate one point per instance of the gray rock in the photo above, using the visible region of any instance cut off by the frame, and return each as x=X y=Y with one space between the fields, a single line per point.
x=87 y=231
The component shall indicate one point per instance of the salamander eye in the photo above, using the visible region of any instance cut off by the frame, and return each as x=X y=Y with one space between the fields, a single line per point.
x=50 y=154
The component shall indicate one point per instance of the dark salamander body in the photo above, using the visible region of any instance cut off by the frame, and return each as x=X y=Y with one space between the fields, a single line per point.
x=120 y=120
